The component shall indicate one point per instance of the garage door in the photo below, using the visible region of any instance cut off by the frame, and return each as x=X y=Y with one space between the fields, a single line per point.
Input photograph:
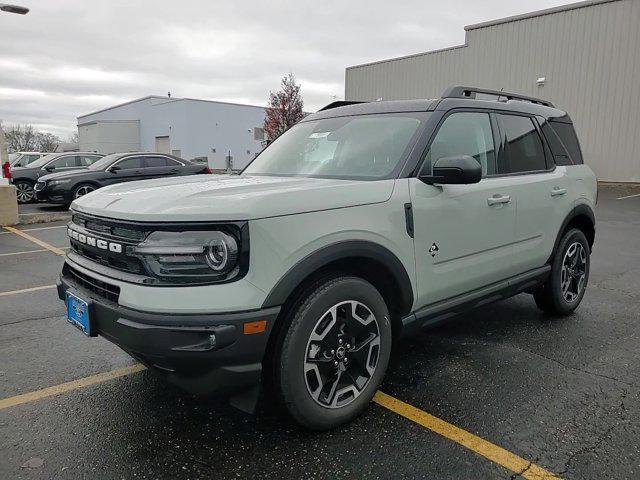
x=163 y=145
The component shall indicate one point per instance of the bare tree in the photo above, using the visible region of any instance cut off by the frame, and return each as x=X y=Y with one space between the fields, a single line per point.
x=73 y=137
x=284 y=109
x=20 y=138
x=46 y=142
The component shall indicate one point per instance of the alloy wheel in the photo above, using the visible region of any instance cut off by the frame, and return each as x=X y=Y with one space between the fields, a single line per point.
x=574 y=272
x=25 y=192
x=82 y=191
x=342 y=354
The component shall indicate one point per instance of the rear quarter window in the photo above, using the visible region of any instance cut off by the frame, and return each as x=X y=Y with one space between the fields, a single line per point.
x=566 y=134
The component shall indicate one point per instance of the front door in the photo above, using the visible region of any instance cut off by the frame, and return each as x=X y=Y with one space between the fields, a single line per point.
x=163 y=145
x=463 y=234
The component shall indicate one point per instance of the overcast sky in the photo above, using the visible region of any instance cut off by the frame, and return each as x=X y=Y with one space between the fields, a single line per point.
x=70 y=57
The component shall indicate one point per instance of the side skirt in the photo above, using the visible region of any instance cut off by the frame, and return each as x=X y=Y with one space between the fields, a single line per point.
x=443 y=310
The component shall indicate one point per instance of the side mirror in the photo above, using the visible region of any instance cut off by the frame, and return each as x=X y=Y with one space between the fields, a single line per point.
x=114 y=169
x=461 y=170
x=49 y=168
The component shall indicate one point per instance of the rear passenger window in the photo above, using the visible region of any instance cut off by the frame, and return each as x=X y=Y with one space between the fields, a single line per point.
x=524 y=150
x=465 y=133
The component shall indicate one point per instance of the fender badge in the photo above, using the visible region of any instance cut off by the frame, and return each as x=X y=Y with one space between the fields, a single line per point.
x=433 y=250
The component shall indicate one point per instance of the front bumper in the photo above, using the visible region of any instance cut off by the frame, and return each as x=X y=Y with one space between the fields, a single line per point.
x=52 y=195
x=178 y=346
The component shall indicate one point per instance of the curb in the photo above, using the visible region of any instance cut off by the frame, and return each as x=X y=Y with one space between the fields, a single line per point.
x=30 y=219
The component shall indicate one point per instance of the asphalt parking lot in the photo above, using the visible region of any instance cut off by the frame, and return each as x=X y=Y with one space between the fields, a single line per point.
x=550 y=397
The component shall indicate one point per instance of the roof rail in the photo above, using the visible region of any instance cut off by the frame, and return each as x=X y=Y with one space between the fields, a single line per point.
x=339 y=103
x=470 y=92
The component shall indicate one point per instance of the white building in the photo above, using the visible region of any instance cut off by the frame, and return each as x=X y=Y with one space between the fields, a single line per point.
x=186 y=127
x=584 y=57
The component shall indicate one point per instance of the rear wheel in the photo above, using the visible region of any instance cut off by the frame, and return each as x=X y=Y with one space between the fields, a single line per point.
x=82 y=190
x=563 y=291
x=335 y=352
x=25 y=192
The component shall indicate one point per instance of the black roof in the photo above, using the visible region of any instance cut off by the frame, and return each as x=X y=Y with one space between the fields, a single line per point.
x=453 y=97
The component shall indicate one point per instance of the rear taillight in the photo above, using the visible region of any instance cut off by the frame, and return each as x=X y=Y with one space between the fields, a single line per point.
x=6 y=170
x=206 y=170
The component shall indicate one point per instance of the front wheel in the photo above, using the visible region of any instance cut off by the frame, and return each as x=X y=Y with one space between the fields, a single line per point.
x=25 y=192
x=563 y=291
x=82 y=190
x=335 y=352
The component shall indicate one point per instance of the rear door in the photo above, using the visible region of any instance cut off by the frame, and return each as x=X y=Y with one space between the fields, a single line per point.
x=463 y=234
x=542 y=189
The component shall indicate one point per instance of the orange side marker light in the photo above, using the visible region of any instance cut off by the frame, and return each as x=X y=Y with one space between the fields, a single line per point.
x=259 y=326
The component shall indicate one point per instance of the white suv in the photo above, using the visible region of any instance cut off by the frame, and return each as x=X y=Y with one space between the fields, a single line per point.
x=358 y=225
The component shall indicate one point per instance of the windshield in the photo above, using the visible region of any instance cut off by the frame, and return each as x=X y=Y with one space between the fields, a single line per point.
x=13 y=156
x=363 y=147
x=104 y=161
x=42 y=161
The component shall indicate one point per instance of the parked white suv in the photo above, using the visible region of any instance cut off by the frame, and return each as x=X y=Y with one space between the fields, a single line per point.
x=361 y=223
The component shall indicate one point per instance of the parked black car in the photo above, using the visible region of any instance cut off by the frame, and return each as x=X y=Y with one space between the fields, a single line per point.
x=25 y=178
x=65 y=187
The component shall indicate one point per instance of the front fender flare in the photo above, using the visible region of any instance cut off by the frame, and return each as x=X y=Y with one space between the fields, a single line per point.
x=341 y=251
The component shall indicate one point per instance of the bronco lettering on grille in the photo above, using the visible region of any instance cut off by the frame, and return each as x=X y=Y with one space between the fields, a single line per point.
x=94 y=241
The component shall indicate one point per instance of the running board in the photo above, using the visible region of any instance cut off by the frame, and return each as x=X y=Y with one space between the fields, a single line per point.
x=443 y=310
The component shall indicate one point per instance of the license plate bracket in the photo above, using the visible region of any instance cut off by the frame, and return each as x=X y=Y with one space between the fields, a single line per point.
x=79 y=314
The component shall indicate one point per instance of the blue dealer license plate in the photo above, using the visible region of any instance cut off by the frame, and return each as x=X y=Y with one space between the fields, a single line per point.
x=78 y=313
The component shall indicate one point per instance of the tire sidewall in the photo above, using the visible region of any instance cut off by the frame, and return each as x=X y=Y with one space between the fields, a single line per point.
x=291 y=361
x=562 y=305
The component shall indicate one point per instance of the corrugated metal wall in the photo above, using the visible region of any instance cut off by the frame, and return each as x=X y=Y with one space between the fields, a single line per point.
x=590 y=57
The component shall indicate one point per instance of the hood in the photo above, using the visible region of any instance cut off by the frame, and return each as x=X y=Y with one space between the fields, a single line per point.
x=228 y=197
x=66 y=174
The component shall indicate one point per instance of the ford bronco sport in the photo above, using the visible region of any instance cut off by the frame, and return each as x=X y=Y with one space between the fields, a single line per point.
x=359 y=224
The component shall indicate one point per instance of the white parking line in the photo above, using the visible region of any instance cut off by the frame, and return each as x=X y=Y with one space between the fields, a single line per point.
x=629 y=196
x=26 y=290
x=37 y=228
x=28 y=251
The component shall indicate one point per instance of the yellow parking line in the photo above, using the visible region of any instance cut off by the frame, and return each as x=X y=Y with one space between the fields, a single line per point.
x=482 y=447
x=468 y=440
x=35 y=240
x=66 y=387
x=26 y=290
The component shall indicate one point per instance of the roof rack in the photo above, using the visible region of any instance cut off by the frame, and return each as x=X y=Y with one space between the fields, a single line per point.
x=470 y=92
x=339 y=103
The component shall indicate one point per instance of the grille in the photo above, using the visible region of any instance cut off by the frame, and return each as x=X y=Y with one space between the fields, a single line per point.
x=126 y=235
x=100 y=288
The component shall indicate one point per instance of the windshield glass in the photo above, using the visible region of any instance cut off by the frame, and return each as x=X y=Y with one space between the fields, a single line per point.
x=104 y=161
x=42 y=161
x=363 y=147
x=13 y=156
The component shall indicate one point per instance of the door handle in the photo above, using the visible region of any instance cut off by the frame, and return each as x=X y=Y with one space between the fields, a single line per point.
x=558 y=191
x=498 y=199
x=173 y=170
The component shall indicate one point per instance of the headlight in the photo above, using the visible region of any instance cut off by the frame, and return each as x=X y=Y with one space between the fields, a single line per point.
x=190 y=257
x=58 y=182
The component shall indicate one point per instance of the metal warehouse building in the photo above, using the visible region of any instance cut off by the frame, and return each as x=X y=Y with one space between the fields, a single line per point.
x=583 y=57
x=223 y=134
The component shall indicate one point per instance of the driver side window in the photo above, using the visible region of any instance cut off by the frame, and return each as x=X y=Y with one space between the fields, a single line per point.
x=465 y=133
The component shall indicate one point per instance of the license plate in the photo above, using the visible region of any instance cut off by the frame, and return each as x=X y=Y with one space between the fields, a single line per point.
x=78 y=313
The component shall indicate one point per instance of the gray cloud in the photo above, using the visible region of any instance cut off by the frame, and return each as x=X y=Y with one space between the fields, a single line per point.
x=70 y=57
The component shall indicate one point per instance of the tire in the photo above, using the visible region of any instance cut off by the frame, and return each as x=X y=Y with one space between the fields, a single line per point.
x=342 y=327
x=25 y=192
x=563 y=291
x=82 y=189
